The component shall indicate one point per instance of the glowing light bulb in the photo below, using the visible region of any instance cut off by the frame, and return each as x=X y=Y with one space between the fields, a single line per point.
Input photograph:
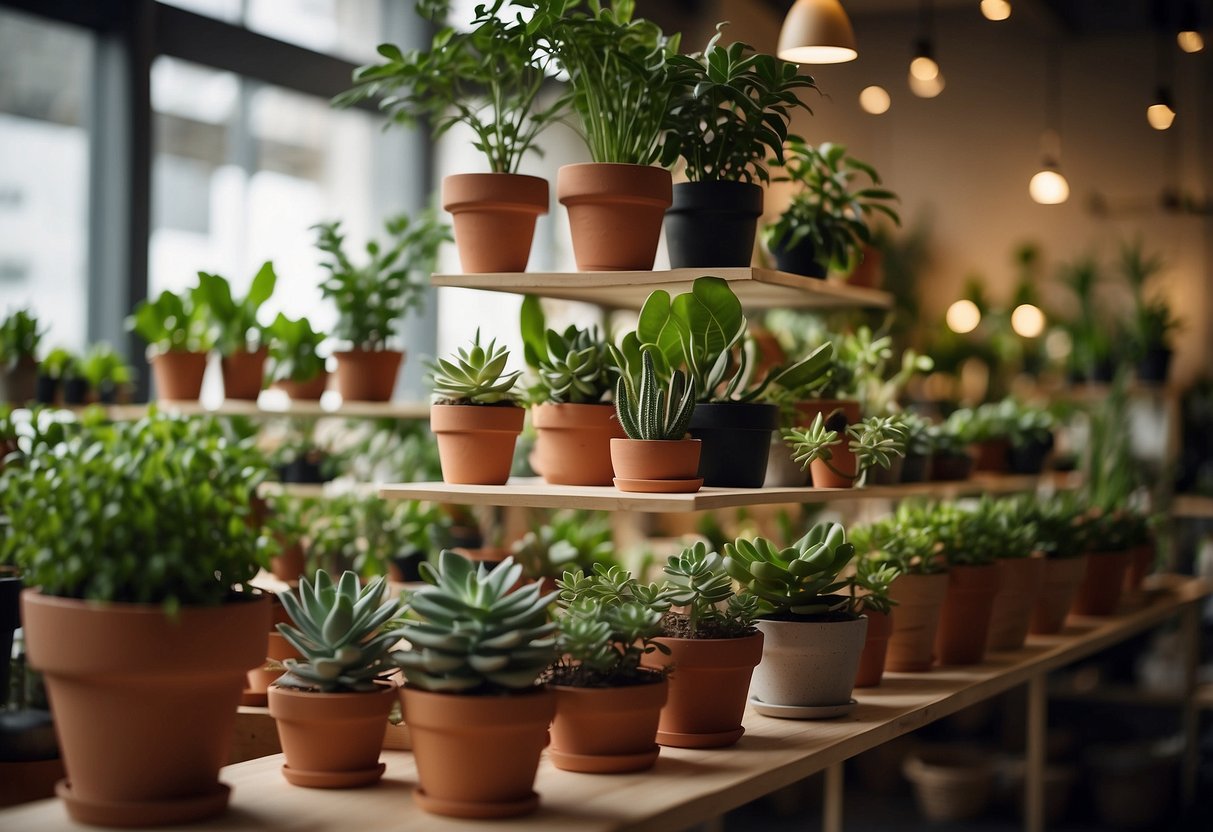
x=875 y=100
x=927 y=89
x=1049 y=187
x=963 y=316
x=1027 y=320
x=1160 y=115
x=924 y=68
x=1190 y=41
x=996 y=9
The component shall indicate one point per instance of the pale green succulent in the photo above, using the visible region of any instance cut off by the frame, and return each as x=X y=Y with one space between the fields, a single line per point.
x=475 y=375
x=650 y=413
x=699 y=585
x=801 y=579
x=576 y=369
x=873 y=441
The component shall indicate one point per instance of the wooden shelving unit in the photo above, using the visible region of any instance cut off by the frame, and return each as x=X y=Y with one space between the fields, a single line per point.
x=1193 y=507
x=271 y=408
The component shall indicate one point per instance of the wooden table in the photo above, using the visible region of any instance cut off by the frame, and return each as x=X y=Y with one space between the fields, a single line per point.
x=688 y=787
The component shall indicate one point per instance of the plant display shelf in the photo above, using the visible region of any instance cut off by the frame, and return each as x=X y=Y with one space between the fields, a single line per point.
x=756 y=288
x=273 y=408
x=1192 y=507
x=692 y=786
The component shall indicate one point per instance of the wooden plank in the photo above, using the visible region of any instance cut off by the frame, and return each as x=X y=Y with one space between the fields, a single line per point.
x=1194 y=506
x=686 y=786
x=269 y=407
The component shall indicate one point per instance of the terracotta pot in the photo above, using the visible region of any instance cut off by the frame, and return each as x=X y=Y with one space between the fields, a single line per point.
x=367 y=375
x=304 y=391
x=289 y=563
x=1102 y=583
x=870 y=271
x=1058 y=584
x=1019 y=581
x=615 y=213
x=494 y=217
x=607 y=730
x=331 y=740
x=574 y=443
x=991 y=455
x=919 y=599
x=843 y=461
x=875 y=649
x=476 y=442
x=19 y=384
x=808 y=663
x=145 y=703
x=950 y=784
x=243 y=373
x=452 y=739
x=653 y=460
x=178 y=375
x=708 y=688
x=1141 y=564
x=277 y=649
x=964 y=618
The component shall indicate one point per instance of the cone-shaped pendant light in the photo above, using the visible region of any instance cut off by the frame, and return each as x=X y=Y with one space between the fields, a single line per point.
x=817 y=32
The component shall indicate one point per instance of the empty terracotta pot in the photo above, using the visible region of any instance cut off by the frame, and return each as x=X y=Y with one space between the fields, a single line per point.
x=1141 y=564
x=243 y=373
x=607 y=730
x=991 y=455
x=919 y=599
x=615 y=213
x=1057 y=587
x=476 y=442
x=1102 y=583
x=178 y=375
x=574 y=442
x=637 y=461
x=845 y=466
x=367 y=375
x=331 y=740
x=1019 y=581
x=875 y=649
x=494 y=217
x=964 y=618
x=304 y=391
x=808 y=663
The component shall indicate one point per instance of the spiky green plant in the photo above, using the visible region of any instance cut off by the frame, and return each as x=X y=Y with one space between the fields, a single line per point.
x=650 y=413
x=475 y=375
x=874 y=441
x=800 y=580
x=700 y=586
x=577 y=367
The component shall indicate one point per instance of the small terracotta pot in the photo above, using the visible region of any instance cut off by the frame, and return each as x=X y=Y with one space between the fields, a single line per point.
x=289 y=563
x=615 y=213
x=243 y=373
x=477 y=755
x=367 y=375
x=875 y=649
x=708 y=688
x=843 y=460
x=304 y=391
x=1019 y=582
x=494 y=217
x=808 y=663
x=178 y=375
x=1102 y=583
x=331 y=740
x=870 y=271
x=1057 y=587
x=991 y=455
x=476 y=442
x=656 y=460
x=964 y=618
x=574 y=442
x=19 y=384
x=1141 y=564
x=607 y=730
x=277 y=649
x=919 y=599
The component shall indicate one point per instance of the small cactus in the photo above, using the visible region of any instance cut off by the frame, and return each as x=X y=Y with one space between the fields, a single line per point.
x=650 y=413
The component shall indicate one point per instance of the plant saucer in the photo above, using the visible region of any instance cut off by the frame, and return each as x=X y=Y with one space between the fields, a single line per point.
x=333 y=779
x=687 y=486
x=476 y=810
x=802 y=711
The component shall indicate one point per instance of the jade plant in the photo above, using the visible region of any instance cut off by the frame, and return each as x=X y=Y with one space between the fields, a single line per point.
x=874 y=441
x=475 y=375
x=233 y=323
x=707 y=605
x=797 y=581
x=173 y=322
x=20 y=335
x=294 y=350
x=647 y=412
x=570 y=367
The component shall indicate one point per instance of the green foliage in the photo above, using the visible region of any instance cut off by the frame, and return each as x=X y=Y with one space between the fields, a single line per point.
x=294 y=350
x=60 y=363
x=569 y=539
x=389 y=450
x=799 y=580
x=173 y=322
x=475 y=375
x=649 y=413
x=699 y=585
x=363 y=533
x=102 y=365
x=1092 y=333
x=233 y=323
x=20 y=336
x=869 y=586
x=983 y=533
x=1060 y=524
x=917 y=433
x=874 y=441
x=1008 y=419
x=1153 y=322
x=574 y=366
x=907 y=540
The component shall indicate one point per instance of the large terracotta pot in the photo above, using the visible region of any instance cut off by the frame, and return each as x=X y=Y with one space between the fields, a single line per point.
x=845 y=466
x=367 y=375
x=331 y=740
x=243 y=373
x=919 y=599
x=875 y=649
x=964 y=618
x=1019 y=581
x=145 y=703
x=709 y=684
x=1102 y=583
x=1058 y=584
x=574 y=442
x=607 y=730
x=615 y=213
x=1141 y=564
x=304 y=391
x=991 y=456
x=178 y=375
x=19 y=384
x=494 y=217
x=476 y=442
x=656 y=465
x=808 y=663
x=477 y=755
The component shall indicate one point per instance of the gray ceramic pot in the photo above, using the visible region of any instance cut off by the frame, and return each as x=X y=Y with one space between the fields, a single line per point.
x=808 y=663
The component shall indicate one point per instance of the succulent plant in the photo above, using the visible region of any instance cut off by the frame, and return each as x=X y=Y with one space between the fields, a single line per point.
x=905 y=539
x=873 y=441
x=800 y=580
x=476 y=375
x=577 y=367
x=650 y=413
x=470 y=634
x=869 y=586
x=699 y=586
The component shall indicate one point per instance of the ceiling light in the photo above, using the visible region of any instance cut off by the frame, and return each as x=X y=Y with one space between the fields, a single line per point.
x=817 y=32
x=1048 y=186
x=927 y=89
x=923 y=65
x=1190 y=41
x=963 y=316
x=875 y=100
x=1161 y=114
x=1027 y=320
x=1188 y=37
x=996 y=9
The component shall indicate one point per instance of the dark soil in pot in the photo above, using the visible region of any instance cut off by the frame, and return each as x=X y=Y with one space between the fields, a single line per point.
x=1154 y=366
x=736 y=439
x=712 y=224
x=800 y=259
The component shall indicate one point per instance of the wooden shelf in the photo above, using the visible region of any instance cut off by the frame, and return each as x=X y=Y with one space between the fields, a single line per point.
x=271 y=408
x=756 y=288
x=1193 y=506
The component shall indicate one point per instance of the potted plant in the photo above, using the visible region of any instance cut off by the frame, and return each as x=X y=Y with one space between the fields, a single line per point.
x=277 y=650
x=295 y=364
x=916 y=464
x=475 y=415
x=873 y=441
x=372 y=299
x=240 y=339
x=178 y=340
x=733 y=111
x=811 y=640
x=1030 y=434
x=286 y=527
x=869 y=590
x=1020 y=571
x=476 y=654
x=55 y=370
x=656 y=456
x=607 y=703
x=1109 y=537
x=569 y=540
x=1152 y=322
x=971 y=548
x=949 y=441
x=488 y=77
x=828 y=221
x=134 y=622
x=107 y=373
x=879 y=392
x=712 y=648
x=1061 y=538
x=20 y=335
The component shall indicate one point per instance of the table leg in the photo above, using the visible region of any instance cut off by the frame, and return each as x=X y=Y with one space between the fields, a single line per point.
x=832 y=813
x=1190 y=633
x=1034 y=773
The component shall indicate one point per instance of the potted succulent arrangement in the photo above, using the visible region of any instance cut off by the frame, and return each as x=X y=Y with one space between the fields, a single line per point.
x=733 y=111
x=178 y=340
x=475 y=416
x=1020 y=570
x=372 y=299
x=240 y=339
x=477 y=650
x=879 y=392
x=107 y=373
x=20 y=336
x=1061 y=538
x=656 y=456
x=60 y=379
x=126 y=583
x=874 y=441
x=295 y=364
x=971 y=547
x=812 y=640
x=1152 y=322
x=828 y=221
x=489 y=77
x=869 y=590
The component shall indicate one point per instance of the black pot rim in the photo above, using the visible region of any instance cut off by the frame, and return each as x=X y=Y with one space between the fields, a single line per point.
x=722 y=197
x=734 y=416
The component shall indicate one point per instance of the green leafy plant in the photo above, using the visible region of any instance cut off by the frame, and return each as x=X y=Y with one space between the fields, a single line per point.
x=569 y=539
x=173 y=322
x=874 y=441
x=474 y=375
x=60 y=363
x=20 y=335
x=796 y=581
x=574 y=366
x=981 y=534
x=233 y=323
x=294 y=350
x=103 y=366
x=646 y=412
x=1060 y=524
x=907 y=540
x=1152 y=322
x=699 y=587
x=869 y=585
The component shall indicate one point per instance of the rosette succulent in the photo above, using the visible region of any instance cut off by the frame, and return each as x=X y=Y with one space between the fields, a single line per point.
x=799 y=580
x=475 y=375
x=699 y=585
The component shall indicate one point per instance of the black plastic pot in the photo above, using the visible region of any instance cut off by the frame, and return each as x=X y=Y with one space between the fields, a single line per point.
x=1103 y=370
x=951 y=467
x=915 y=467
x=304 y=469
x=406 y=567
x=45 y=389
x=712 y=224
x=10 y=620
x=107 y=393
x=800 y=259
x=877 y=475
x=1028 y=458
x=75 y=391
x=1154 y=366
x=736 y=439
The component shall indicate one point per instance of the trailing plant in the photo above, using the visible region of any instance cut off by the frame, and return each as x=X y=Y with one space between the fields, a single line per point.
x=20 y=336
x=173 y=322
x=874 y=441
x=798 y=581
x=646 y=412
x=570 y=367
x=60 y=363
x=233 y=323
x=294 y=350
x=103 y=366
x=699 y=587
x=474 y=375
x=569 y=539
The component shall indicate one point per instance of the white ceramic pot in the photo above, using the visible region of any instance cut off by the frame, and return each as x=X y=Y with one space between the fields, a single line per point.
x=810 y=664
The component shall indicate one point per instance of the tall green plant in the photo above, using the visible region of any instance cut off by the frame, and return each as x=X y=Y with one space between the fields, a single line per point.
x=233 y=323
x=294 y=350
x=20 y=335
x=172 y=322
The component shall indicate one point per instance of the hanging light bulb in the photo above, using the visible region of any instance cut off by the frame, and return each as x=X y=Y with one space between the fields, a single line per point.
x=963 y=316
x=927 y=89
x=923 y=65
x=996 y=9
x=817 y=32
x=875 y=100
x=1048 y=186
x=1027 y=320
x=1189 y=37
x=1161 y=114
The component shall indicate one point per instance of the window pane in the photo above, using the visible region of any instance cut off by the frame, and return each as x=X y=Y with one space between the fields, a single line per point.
x=228 y=10
x=348 y=28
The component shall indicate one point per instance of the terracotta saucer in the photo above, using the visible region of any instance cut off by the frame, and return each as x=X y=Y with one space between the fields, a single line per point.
x=604 y=763
x=720 y=739
x=333 y=779
x=478 y=811
x=659 y=486
x=147 y=813
x=802 y=711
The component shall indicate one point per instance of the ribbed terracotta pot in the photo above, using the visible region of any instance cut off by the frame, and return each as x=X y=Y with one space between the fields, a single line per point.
x=964 y=618
x=476 y=442
x=1141 y=565
x=331 y=740
x=494 y=217
x=367 y=375
x=615 y=213
x=1058 y=586
x=919 y=599
x=607 y=730
x=574 y=442
x=243 y=373
x=477 y=755
x=991 y=456
x=653 y=460
x=1019 y=582
x=1102 y=583
x=843 y=460
x=875 y=649
x=709 y=684
x=808 y=663
x=178 y=375
x=309 y=390
x=145 y=703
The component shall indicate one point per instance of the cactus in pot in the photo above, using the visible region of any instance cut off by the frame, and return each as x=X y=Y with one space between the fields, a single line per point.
x=656 y=455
